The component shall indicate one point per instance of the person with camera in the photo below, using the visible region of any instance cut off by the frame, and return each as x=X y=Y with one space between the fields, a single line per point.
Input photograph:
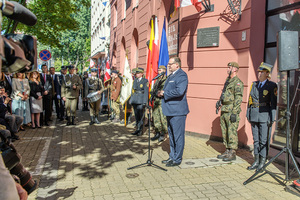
x=13 y=121
x=70 y=92
x=36 y=97
x=231 y=99
x=9 y=189
x=20 y=98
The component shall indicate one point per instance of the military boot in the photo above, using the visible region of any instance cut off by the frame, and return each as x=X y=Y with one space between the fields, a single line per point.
x=223 y=154
x=255 y=163
x=96 y=120
x=156 y=136
x=230 y=156
x=262 y=161
x=73 y=120
x=68 y=121
x=92 y=120
x=161 y=137
x=112 y=117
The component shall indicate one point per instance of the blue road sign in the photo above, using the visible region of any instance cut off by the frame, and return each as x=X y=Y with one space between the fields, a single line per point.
x=45 y=55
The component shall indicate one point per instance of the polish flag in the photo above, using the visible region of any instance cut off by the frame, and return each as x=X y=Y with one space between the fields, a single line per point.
x=196 y=3
x=107 y=72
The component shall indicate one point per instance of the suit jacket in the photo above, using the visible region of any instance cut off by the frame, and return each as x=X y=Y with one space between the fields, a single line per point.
x=3 y=108
x=17 y=88
x=262 y=102
x=67 y=86
x=139 y=92
x=47 y=85
x=60 y=81
x=8 y=86
x=35 y=88
x=174 y=102
x=56 y=85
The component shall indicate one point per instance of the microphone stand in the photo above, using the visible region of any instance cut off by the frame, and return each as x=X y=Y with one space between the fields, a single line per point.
x=149 y=162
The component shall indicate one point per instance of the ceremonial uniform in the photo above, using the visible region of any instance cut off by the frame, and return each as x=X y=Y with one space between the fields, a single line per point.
x=94 y=84
x=71 y=94
x=116 y=85
x=139 y=99
x=261 y=113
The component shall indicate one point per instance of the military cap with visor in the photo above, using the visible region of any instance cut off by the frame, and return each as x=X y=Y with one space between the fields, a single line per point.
x=94 y=70
x=71 y=67
x=114 y=71
x=140 y=70
x=265 y=66
x=162 y=67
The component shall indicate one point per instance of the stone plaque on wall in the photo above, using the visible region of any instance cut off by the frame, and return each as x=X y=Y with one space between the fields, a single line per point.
x=208 y=37
x=173 y=38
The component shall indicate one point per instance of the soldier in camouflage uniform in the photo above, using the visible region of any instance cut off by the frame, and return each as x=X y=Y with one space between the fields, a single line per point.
x=94 y=84
x=231 y=108
x=160 y=121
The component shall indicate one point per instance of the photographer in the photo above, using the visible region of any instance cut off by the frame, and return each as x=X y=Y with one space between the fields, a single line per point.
x=9 y=189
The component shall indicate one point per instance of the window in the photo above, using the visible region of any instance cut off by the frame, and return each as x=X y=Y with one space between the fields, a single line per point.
x=116 y=16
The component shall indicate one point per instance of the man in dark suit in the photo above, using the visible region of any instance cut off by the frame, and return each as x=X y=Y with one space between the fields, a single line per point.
x=8 y=82
x=57 y=88
x=46 y=81
x=61 y=79
x=139 y=99
x=175 y=107
x=261 y=113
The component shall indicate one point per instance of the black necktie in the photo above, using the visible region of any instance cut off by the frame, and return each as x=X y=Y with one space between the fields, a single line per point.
x=259 y=85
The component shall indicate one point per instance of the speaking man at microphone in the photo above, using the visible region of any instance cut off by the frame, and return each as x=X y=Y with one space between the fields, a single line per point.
x=159 y=119
x=175 y=107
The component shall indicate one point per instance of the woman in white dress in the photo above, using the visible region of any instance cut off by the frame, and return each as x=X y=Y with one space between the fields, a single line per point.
x=20 y=97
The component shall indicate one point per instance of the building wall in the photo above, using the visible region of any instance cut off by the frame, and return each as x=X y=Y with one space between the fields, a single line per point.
x=100 y=26
x=206 y=67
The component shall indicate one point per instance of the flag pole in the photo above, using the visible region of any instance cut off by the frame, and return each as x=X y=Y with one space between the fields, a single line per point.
x=178 y=34
x=125 y=114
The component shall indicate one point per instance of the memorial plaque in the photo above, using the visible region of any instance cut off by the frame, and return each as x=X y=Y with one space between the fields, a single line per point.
x=208 y=37
x=173 y=38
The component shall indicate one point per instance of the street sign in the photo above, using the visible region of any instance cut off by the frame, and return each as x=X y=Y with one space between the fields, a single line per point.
x=45 y=55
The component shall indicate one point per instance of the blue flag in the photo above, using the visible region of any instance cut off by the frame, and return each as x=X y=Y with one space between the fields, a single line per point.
x=164 y=51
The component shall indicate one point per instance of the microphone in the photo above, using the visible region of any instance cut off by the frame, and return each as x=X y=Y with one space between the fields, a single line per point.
x=21 y=14
x=159 y=75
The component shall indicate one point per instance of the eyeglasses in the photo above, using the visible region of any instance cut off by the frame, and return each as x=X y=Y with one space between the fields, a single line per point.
x=171 y=63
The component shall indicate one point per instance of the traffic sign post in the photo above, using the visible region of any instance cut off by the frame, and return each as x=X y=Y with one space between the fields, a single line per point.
x=45 y=55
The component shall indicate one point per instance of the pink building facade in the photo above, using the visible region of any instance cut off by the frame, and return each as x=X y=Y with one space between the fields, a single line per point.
x=241 y=39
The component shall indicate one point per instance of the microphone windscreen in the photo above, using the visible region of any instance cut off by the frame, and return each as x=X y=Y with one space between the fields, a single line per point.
x=22 y=14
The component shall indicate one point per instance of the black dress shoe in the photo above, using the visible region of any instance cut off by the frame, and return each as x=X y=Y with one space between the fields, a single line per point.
x=157 y=135
x=46 y=124
x=166 y=161
x=172 y=164
x=15 y=137
x=135 y=132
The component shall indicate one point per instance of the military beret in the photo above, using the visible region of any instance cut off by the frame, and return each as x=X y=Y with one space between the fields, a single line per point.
x=94 y=70
x=233 y=64
x=139 y=70
x=264 y=66
x=162 y=67
x=71 y=67
x=114 y=71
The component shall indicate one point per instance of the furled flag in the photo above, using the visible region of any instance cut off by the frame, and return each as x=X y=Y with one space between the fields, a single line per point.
x=152 y=64
x=107 y=72
x=175 y=4
x=92 y=63
x=196 y=3
x=126 y=83
x=163 y=51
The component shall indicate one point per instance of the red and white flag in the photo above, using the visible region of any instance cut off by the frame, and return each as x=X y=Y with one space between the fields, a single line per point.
x=107 y=72
x=196 y=3
x=92 y=63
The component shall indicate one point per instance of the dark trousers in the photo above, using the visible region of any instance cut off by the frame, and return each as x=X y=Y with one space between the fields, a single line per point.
x=57 y=105
x=47 y=100
x=176 y=130
x=139 y=113
x=62 y=108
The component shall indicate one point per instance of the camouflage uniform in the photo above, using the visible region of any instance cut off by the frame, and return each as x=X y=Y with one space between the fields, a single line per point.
x=160 y=121
x=231 y=104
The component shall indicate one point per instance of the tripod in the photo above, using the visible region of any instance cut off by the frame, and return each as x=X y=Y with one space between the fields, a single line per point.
x=149 y=162
x=287 y=148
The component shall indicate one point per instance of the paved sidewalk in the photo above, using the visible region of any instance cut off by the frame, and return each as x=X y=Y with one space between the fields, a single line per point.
x=90 y=162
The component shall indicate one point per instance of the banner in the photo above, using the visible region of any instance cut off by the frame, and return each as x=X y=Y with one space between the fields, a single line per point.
x=127 y=82
x=107 y=72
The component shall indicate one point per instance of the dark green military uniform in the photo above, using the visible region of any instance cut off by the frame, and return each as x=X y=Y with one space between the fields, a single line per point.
x=231 y=104
x=71 y=94
x=94 y=84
